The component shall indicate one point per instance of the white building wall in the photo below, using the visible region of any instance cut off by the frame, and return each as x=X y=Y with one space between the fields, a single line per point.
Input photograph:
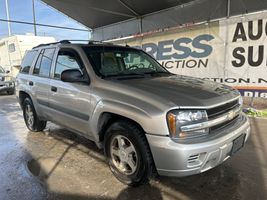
x=13 y=48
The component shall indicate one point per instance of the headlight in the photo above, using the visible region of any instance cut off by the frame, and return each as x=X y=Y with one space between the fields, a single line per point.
x=179 y=118
x=8 y=78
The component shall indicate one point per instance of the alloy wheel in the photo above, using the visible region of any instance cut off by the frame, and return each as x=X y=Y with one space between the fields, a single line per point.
x=123 y=154
x=29 y=116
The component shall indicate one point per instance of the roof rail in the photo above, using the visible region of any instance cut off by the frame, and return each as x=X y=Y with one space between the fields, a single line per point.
x=47 y=44
x=90 y=42
x=64 y=42
x=98 y=42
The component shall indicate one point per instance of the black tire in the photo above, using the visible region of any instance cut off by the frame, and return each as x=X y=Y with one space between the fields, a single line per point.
x=144 y=162
x=36 y=125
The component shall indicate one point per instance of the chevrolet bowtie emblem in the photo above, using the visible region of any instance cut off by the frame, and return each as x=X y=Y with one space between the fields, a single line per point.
x=231 y=115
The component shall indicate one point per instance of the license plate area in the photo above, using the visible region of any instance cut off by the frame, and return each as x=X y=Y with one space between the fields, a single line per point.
x=238 y=143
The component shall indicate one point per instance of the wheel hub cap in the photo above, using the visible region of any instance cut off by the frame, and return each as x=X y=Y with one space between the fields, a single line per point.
x=123 y=155
x=29 y=116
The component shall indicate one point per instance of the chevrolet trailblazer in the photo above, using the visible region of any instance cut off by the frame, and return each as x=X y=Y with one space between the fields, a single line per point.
x=145 y=118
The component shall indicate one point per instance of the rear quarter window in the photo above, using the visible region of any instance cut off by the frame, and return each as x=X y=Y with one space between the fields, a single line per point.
x=27 y=61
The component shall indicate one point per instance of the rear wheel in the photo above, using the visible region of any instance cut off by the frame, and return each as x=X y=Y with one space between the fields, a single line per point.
x=30 y=117
x=128 y=153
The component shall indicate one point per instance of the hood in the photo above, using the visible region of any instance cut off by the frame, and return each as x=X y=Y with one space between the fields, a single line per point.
x=183 y=90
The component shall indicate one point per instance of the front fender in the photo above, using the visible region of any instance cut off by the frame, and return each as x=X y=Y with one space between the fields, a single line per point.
x=153 y=123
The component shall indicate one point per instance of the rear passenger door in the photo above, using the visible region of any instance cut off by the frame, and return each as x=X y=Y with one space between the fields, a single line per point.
x=70 y=102
x=40 y=80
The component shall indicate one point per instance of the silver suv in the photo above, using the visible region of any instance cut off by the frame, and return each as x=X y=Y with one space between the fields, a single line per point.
x=146 y=119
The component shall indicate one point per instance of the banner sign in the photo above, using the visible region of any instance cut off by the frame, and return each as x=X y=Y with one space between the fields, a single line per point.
x=231 y=51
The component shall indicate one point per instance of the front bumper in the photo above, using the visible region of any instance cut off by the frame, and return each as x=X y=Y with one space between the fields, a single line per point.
x=7 y=86
x=182 y=159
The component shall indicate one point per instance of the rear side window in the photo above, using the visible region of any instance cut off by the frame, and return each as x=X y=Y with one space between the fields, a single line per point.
x=44 y=62
x=27 y=61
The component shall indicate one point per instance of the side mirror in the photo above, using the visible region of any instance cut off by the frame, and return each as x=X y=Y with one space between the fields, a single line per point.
x=7 y=71
x=72 y=76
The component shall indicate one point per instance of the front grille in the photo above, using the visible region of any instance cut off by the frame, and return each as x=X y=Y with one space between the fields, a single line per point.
x=220 y=110
x=223 y=125
x=223 y=110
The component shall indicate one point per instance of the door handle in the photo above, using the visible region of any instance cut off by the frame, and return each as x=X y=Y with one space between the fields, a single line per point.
x=53 y=89
x=30 y=83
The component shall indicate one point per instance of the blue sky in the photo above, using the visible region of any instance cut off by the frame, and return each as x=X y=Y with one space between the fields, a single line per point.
x=21 y=10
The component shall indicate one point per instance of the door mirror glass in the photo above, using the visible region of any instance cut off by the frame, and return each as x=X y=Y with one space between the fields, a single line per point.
x=72 y=76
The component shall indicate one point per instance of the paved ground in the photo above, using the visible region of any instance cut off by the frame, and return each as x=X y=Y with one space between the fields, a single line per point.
x=66 y=166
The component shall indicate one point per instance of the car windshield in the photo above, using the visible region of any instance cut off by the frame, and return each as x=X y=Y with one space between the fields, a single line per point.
x=122 y=61
x=2 y=70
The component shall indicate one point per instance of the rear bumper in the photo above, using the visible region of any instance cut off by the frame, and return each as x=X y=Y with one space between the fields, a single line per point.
x=176 y=159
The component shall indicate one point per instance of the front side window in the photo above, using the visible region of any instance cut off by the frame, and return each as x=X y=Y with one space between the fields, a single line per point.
x=122 y=61
x=44 y=62
x=27 y=61
x=67 y=59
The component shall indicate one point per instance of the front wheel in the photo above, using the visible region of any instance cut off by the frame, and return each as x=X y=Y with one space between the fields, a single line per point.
x=31 y=119
x=128 y=153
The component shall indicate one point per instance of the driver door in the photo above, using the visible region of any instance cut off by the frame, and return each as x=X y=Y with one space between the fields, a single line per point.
x=70 y=103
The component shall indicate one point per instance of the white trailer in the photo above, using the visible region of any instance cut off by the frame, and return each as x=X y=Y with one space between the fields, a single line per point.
x=13 y=48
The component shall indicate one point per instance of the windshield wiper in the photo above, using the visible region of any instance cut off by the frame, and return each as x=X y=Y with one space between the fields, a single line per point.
x=134 y=75
x=157 y=73
x=123 y=75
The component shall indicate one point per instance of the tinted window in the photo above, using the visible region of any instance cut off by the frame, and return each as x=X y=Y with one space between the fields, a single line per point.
x=2 y=70
x=66 y=59
x=37 y=64
x=11 y=48
x=27 y=61
x=44 y=62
